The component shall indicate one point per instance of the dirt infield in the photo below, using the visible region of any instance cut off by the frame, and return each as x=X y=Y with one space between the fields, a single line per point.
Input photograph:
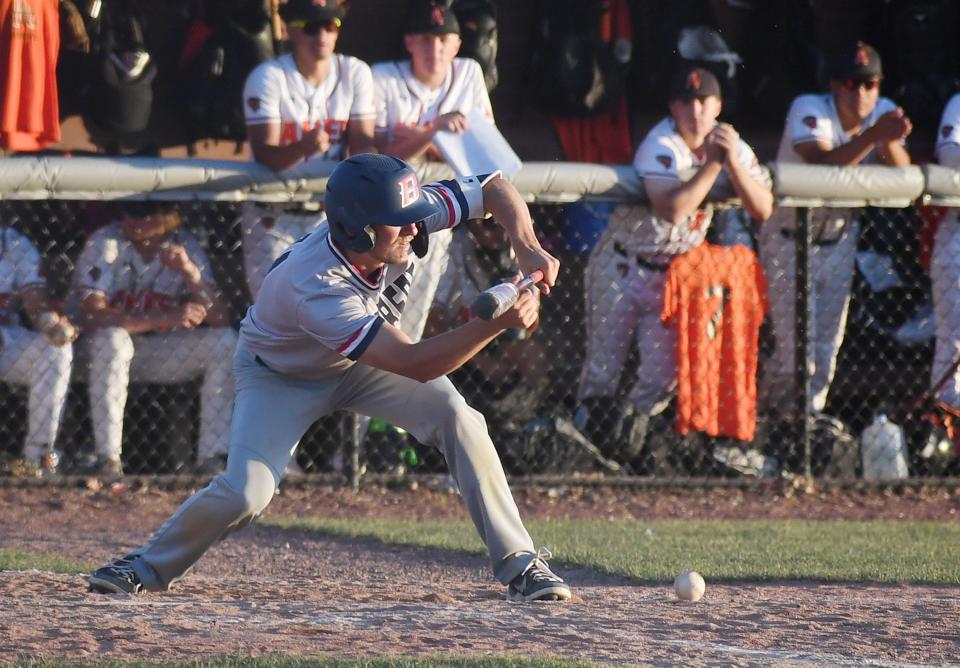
x=268 y=590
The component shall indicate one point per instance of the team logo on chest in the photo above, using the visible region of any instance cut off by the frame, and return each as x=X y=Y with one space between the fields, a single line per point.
x=394 y=297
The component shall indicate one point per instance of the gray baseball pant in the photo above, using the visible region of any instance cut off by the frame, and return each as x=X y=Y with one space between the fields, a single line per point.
x=273 y=411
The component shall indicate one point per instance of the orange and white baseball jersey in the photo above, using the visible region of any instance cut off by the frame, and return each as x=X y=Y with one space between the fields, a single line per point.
x=401 y=99
x=715 y=299
x=19 y=270
x=111 y=265
x=663 y=155
x=276 y=92
x=314 y=294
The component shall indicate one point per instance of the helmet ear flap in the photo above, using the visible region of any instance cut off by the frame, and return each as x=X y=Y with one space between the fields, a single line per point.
x=358 y=241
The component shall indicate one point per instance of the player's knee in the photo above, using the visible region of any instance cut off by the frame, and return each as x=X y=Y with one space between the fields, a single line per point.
x=251 y=491
x=111 y=343
x=453 y=413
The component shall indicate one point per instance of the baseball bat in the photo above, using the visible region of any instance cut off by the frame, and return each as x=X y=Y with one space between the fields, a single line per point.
x=494 y=302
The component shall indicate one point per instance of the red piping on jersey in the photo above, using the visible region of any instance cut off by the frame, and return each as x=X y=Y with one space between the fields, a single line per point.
x=354 y=269
x=350 y=340
x=450 y=209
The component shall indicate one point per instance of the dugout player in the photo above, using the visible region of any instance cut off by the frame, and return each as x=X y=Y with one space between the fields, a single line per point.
x=432 y=91
x=945 y=273
x=39 y=359
x=625 y=274
x=309 y=104
x=325 y=338
x=143 y=287
x=850 y=125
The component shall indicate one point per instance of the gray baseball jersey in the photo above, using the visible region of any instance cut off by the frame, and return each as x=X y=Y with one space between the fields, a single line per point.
x=297 y=362
x=811 y=118
x=28 y=358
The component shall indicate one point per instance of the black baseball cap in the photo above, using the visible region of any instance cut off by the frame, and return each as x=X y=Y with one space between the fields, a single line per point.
x=859 y=62
x=311 y=10
x=434 y=18
x=691 y=82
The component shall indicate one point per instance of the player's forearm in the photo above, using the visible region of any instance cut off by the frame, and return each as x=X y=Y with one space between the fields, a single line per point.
x=134 y=323
x=445 y=353
x=410 y=146
x=360 y=137
x=504 y=203
x=893 y=154
x=755 y=197
x=845 y=155
x=687 y=197
x=218 y=315
x=279 y=158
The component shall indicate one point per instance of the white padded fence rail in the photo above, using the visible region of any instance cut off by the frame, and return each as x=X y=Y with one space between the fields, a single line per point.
x=107 y=178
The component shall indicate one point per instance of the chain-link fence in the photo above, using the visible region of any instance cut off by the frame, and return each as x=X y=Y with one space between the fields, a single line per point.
x=689 y=388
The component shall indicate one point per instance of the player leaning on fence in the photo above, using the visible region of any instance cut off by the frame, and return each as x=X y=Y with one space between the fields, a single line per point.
x=309 y=104
x=625 y=275
x=323 y=337
x=850 y=125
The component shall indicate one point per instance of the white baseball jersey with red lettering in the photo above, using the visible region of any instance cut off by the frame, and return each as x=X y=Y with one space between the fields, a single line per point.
x=317 y=313
x=111 y=265
x=276 y=92
x=400 y=99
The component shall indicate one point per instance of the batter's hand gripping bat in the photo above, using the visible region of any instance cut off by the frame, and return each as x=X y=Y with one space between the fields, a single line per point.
x=494 y=302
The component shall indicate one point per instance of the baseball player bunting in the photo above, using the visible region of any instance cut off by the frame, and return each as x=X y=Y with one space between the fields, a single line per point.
x=316 y=342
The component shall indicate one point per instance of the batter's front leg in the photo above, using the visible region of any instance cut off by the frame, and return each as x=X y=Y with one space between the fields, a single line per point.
x=436 y=414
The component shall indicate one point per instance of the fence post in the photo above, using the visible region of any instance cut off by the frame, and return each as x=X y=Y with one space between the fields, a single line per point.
x=804 y=332
x=356 y=435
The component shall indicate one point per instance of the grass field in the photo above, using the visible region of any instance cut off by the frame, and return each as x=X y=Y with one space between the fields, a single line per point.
x=879 y=551
x=887 y=551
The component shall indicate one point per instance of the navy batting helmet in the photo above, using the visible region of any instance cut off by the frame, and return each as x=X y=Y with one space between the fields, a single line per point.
x=372 y=189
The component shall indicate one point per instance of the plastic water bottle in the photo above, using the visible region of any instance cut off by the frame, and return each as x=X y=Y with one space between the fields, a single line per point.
x=883 y=450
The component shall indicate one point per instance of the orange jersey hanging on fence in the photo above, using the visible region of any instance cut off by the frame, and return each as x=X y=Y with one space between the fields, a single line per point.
x=29 y=44
x=715 y=299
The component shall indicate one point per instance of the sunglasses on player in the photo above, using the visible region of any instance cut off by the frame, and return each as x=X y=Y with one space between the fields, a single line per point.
x=313 y=28
x=868 y=84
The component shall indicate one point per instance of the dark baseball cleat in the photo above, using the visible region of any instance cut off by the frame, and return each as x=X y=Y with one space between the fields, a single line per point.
x=117 y=577
x=538 y=582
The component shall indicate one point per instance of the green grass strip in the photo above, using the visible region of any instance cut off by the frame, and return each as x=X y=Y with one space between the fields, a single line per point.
x=18 y=560
x=879 y=551
x=302 y=662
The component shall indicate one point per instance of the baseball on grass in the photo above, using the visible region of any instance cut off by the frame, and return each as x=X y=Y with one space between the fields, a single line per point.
x=689 y=586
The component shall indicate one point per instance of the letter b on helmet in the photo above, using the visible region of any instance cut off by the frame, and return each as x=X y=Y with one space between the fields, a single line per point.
x=371 y=189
